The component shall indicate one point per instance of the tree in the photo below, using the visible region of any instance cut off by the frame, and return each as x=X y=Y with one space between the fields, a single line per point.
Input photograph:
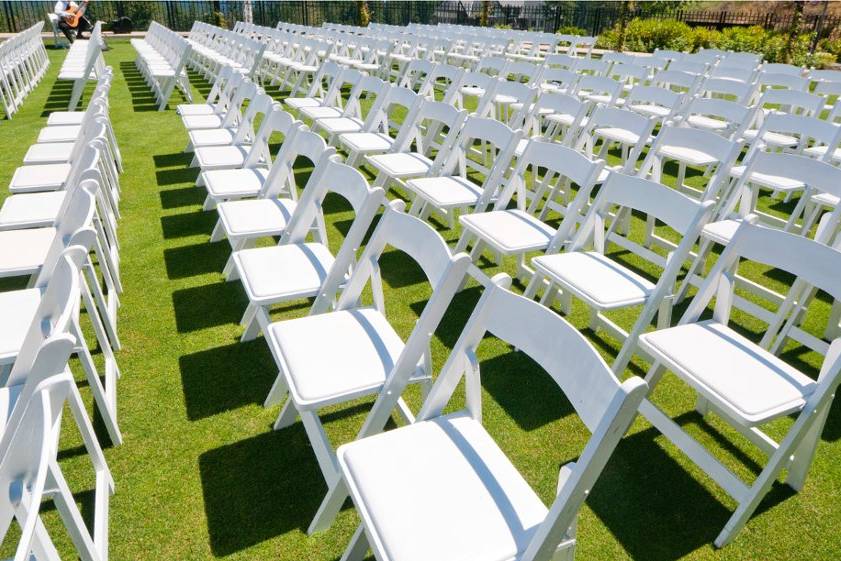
x=364 y=13
x=485 y=14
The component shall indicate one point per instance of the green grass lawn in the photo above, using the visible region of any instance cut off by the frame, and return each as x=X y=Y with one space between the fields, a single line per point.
x=201 y=475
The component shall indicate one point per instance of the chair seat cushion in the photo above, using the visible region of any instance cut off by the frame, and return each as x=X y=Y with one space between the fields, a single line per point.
x=321 y=112
x=192 y=122
x=774 y=138
x=403 y=164
x=650 y=109
x=31 y=210
x=194 y=109
x=335 y=356
x=283 y=271
x=299 y=102
x=777 y=182
x=22 y=252
x=721 y=231
x=19 y=308
x=65 y=118
x=234 y=183
x=255 y=217
x=367 y=142
x=340 y=124
x=730 y=370
x=446 y=192
x=219 y=157
x=603 y=282
x=688 y=155
x=472 y=91
x=819 y=151
x=617 y=134
x=443 y=490
x=709 y=123
x=49 y=153
x=212 y=137
x=59 y=133
x=39 y=178
x=511 y=231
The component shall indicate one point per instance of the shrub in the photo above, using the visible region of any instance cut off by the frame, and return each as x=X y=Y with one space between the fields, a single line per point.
x=571 y=30
x=646 y=35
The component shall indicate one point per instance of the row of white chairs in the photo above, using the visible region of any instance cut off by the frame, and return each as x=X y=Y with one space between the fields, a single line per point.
x=84 y=62
x=23 y=62
x=214 y=47
x=58 y=228
x=438 y=168
x=162 y=58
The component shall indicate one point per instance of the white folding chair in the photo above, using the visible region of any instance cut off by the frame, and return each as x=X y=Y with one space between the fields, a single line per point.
x=341 y=355
x=295 y=268
x=544 y=171
x=442 y=489
x=606 y=284
x=743 y=383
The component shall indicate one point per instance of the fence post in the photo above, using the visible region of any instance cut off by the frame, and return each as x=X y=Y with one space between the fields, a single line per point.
x=818 y=28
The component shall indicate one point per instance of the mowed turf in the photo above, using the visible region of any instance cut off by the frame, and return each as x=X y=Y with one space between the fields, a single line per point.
x=201 y=475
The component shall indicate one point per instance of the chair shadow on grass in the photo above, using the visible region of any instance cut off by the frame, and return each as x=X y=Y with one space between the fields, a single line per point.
x=197 y=259
x=188 y=224
x=142 y=98
x=59 y=97
x=208 y=305
x=259 y=488
x=635 y=499
x=226 y=378
x=177 y=198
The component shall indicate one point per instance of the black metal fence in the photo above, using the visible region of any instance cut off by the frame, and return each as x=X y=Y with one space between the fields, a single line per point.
x=592 y=17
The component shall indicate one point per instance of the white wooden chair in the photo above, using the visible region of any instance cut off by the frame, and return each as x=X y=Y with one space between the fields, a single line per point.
x=485 y=147
x=442 y=489
x=341 y=355
x=243 y=222
x=364 y=108
x=380 y=134
x=34 y=397
x=218 y=99
x=542 y=175
x=247 y=181
x=431 y=148
x=230 y=134
x=587 y=273
x=743 y=383
x=721 y=116
x=295 y=268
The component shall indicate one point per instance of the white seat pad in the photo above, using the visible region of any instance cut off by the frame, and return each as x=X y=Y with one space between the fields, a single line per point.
x=446 y=191
x=31 y=210
x=340 y=124
x=604 y=282
x=335 y=355
x=321 y=112
x=721 y=231
x=215 y=157
x=688 y=155
x=730 y=370
x=201 y=121
x=402 y=164
x=212 y=137
x=59 y=133
x=195 y=109
x=512 y=230
x=23 y=251
x=777 y=182
x=40 y=177
x=222 y=183
x=263 y=217
x=367 y=141
x=774 y=138
x=650 y=109
x=48 y=153
x=617 y=134
x=441 y=490
x=299 y=102
x=65 y=118
x=704 y=122
x=282 y=271
x=19 y=308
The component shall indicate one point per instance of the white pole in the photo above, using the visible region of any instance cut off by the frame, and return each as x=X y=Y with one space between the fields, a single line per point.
x=247 y=14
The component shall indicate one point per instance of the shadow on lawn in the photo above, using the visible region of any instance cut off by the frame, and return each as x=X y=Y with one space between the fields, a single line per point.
x=177 y=198
x=208 y=305
x=259 y=488
x=635 y=498
x=226 y=378
x=142 y=98
x=198 y=259
x=188 y=224
x=59 y=97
